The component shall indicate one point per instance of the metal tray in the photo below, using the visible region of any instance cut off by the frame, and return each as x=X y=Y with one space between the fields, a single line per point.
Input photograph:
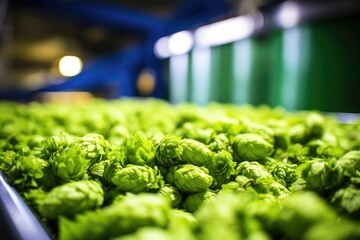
x=16 y=219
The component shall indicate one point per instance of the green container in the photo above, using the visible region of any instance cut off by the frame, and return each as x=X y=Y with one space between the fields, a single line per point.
x=179 y=80
x=313 y=66
x=316 y=66
x=221 y=73
x=288 y=65
x=250 y=70
x=334 y=67
x=230 y=73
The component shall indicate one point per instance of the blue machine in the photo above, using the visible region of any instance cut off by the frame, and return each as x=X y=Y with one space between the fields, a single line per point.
x=119 y=70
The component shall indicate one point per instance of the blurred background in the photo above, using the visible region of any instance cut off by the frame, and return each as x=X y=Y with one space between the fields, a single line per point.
x=300 y=55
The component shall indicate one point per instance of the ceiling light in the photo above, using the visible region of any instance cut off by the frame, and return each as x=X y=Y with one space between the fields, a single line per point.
x=70 y=66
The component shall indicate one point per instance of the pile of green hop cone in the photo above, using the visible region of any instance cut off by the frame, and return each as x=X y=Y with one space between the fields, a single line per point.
x=138 y=169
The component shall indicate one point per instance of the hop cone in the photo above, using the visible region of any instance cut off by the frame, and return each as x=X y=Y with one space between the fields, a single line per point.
x=110 y=169
x=168 y=151
x=253 y=170
x=140 y=150
x=271 y=186
x=71 y=198
x=124 y=217
x=193 y=201
x=28 y=171
x=95 y=146
x=349 y=164
x=284 y=173
x=221 y=167
x=71 y=164
x=52 y=147
x=219 y=143
x=135 y=178
x=250 y=147
x=171 y=193
x=189 y=178
x=195 y=152
x=317 y=174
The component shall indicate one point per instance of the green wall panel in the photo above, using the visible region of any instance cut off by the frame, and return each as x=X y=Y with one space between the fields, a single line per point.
x=310 y=66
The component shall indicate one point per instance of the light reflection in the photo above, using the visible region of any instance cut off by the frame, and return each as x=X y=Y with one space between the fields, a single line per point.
x=161 y=47
x=295 y=45
x=201 y=60
x=288 y=15
x=178 y=78
x=70 y=66
x=242 y=71
x=180 y=42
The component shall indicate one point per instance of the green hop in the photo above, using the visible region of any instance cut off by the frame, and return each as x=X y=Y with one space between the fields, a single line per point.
x=135 y=178
x=315 y=125
x=123 y=217
x=6 y=160
x=71 y=164
x=265 y=132
x=284 y=173
x=302 y=210
x=172 y=193
x=250 y=147
x=221 y=167
x=193 y=201
x=169 y=151
x=28 y=171
x=347 y=199
x=220 y=142
x=52 y=146
x=317 y=174
x=189 y=178
x=95 y=146
x=297 y=133
x=253 y=170
x=140 y=150
x=71 y=198
x=349 y=164
x=195 y=152
x=272 y=187
x=197 y=132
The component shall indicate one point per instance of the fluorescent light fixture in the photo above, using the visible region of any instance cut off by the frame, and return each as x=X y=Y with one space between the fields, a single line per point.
x=70 y=66
x=288 y=15
x=226 y=31
x=180 y=42
x=161 y=47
